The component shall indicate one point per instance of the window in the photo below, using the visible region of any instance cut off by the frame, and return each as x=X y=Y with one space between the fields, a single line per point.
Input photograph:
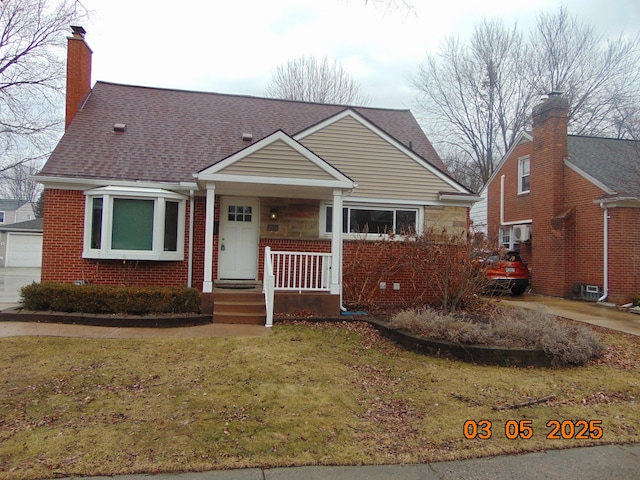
x=134 y=223
x=377 y=220
x=1 y=217
x=523 y=175
x=505 y=237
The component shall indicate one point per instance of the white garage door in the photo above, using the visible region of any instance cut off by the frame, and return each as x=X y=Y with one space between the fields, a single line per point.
x=24 y=250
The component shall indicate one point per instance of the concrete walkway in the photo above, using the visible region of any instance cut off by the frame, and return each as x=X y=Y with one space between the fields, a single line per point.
x=621 y=462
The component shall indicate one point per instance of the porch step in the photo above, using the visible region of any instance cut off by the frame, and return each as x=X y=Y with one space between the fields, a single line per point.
x=239 y=307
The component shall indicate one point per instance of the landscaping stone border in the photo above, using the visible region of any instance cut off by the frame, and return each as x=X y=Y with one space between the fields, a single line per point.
x=19 y=314
x=506 y=357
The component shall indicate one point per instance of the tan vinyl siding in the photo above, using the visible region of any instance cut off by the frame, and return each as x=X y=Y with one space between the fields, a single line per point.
x=277 y=160
x=379 y=169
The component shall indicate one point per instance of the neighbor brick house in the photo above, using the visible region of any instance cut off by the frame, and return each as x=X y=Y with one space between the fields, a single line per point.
x=571 y=205
x=154 y=186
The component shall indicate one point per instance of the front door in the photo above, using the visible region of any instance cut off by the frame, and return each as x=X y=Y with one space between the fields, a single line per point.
x=239 y=232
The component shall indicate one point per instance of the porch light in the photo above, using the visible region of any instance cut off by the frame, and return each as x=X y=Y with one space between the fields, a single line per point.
x=273 y=214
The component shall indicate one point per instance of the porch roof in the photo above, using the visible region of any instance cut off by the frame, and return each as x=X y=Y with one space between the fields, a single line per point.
x=277 y=161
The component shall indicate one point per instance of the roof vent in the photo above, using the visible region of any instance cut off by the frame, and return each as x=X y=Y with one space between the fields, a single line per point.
x=119 y=127
x=247 y=137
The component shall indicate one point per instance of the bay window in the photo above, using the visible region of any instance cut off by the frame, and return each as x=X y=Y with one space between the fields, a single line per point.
x=134 y=223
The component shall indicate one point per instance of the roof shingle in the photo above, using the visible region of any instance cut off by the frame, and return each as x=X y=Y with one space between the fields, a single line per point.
x=172 y=134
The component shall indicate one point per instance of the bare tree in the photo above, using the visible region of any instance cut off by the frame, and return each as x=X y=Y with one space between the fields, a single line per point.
x=307 y=79
x=17 y=182
x=472 y=98
x=477 y=96
x=32 y=43
x=600 y=78
x=404 y=6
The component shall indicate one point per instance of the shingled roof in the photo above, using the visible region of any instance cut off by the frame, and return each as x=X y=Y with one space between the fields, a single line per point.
x=172 y=134
x=612 y=162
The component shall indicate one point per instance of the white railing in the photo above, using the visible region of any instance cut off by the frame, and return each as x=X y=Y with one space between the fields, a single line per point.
x=268 y=284
x=294 y=271
x=301 y=272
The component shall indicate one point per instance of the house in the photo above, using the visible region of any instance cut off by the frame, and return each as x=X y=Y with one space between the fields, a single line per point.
x=154 y=186
x=21 y=244
x=571 y=205
x=14 y=211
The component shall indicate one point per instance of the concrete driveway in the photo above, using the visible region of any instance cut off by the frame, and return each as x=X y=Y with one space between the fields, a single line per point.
x=11 y=280
x=602 y=315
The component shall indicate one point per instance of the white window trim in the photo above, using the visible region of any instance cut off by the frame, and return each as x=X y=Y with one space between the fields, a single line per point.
x=372 y=206
x=501 y=236
x=521 y=161
x=160 y=197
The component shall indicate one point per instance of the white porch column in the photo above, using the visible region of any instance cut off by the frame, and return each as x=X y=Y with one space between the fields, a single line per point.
x=207 y=286
x=336 y=243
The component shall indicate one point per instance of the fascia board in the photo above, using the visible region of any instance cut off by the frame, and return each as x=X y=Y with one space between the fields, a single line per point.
x=523 y=136
x=589 y=178
x=66 y=183
x=303 y=182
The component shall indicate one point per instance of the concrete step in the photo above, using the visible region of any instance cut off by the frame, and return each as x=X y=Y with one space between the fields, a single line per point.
x=239 y=318
x=242 y=306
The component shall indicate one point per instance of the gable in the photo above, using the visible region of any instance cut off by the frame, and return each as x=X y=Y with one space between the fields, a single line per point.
x=276 y=160
x=378 y=165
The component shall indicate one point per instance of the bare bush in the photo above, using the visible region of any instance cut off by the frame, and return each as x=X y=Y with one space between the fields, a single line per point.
x=510 y=328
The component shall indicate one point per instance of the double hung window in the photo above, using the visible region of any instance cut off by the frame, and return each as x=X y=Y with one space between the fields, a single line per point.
x=134 y=223
x=523 y=175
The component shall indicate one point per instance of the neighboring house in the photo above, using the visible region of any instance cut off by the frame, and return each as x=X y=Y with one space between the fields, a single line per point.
x=166 y=187
x=571 y=205
x=14 y=211
x=21 y=244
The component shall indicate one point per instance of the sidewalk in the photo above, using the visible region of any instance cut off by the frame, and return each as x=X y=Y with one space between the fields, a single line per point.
x=621 y=462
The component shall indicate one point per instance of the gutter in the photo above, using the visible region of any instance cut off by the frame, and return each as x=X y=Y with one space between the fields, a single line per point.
x=605 y=250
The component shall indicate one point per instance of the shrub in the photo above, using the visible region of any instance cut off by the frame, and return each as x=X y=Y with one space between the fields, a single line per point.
x=511 y=328
x=636 y=299
x=61 y=297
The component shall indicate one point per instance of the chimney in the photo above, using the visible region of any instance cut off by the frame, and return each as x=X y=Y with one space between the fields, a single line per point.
x=78 y=72
x=552 y=257
x=549 y=120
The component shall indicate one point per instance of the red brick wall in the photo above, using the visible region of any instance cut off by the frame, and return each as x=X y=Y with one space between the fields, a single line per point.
x=516 y=207
x=624 y=254
x=62 y=250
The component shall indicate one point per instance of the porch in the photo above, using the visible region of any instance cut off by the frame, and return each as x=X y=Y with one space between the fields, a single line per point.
x=294 y=283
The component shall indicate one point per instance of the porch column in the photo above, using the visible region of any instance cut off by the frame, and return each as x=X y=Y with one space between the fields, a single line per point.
x=207 y=285
x=336 y=244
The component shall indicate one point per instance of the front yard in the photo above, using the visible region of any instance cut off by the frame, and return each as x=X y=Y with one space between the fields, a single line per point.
x=307 y=394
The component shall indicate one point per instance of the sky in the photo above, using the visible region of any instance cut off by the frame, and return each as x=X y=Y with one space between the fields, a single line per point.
x=235 y=46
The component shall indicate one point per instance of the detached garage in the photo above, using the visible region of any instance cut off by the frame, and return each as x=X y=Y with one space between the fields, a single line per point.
x=21 y=244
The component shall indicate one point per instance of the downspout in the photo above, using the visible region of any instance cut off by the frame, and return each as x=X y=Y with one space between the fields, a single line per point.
x=190 y=259
x=605 y=249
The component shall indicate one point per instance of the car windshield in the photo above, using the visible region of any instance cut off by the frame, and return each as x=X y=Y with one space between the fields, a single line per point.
x=508 y=257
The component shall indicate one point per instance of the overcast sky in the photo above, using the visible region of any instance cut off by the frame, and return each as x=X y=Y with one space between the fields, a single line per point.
x=235 y=46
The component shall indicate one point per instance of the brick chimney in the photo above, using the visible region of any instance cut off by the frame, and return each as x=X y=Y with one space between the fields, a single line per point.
x=553 y=223
x=78 y=72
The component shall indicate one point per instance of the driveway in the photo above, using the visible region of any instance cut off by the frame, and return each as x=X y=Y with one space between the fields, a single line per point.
x=11 y=280
x=599 y=314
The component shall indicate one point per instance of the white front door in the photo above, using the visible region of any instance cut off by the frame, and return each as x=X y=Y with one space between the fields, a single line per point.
x=239 y=232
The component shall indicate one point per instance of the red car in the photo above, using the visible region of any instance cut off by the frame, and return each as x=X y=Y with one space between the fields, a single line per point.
x=508 y=272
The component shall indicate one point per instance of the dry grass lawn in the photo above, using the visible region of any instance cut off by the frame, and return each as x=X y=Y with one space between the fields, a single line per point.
x=305 y=395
